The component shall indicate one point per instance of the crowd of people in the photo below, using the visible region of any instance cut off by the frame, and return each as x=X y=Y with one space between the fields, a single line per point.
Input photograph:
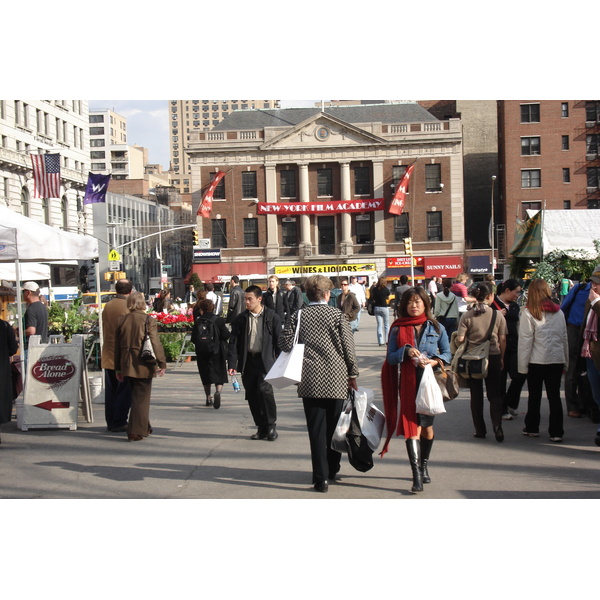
x=531 y=342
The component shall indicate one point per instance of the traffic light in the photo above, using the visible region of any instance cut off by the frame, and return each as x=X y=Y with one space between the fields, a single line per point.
x=408 y=245
x=195 y=231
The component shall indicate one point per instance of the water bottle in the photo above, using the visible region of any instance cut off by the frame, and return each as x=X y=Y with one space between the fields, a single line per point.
x=236 y=384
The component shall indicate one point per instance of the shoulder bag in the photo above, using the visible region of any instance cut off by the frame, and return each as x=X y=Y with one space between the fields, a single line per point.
x=147 y=351
x=473 y=364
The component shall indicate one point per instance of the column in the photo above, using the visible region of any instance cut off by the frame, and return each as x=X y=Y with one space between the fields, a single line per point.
x=272 y=247
x=346 y=246
x=305 y=240
x=379 y=246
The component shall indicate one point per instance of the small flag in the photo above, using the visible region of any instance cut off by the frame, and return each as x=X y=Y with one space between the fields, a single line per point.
x=96 y=188
x=397 y=205
x=206 y=204
x=46 y=175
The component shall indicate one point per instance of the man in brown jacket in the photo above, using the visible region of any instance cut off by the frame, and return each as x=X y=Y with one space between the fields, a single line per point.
x=117 y=395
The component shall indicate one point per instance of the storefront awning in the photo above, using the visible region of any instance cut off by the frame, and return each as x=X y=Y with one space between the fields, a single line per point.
x=479 y=264
x=210 y=271
x=443 y=266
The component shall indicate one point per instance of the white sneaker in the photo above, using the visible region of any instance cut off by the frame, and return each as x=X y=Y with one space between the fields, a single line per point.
x=513 y=412
x=507 y=417
x=556 y=440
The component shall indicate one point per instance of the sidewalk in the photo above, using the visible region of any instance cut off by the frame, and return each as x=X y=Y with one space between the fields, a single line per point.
x=199 y=452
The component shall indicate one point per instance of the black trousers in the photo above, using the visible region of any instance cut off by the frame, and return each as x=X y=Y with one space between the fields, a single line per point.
x=259 y=393
x=512 y=395
x=322 y=415
x=548 y=376
x=492 y=390
x=117 y=400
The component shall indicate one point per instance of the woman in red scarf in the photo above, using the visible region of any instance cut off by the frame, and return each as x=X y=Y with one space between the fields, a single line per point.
x=543 y=354
x=416 y=339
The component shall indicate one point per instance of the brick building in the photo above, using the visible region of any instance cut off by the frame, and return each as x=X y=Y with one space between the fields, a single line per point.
x=286 y=170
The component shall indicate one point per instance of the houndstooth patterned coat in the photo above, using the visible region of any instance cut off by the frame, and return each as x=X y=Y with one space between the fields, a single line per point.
x=329 y=357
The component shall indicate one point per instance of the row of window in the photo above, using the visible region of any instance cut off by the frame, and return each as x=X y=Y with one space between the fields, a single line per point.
x=530 y=113
x=532 y=178
x=363 y=225
x=531 y=145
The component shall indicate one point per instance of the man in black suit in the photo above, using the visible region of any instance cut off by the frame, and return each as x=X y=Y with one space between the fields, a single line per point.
x=236 y=299
x=275 y=298
x=253 y=348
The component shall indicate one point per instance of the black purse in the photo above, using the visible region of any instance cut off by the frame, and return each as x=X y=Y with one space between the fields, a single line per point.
x=147 y=351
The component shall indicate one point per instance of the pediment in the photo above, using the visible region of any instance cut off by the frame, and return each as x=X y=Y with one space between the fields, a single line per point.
x=321 y=130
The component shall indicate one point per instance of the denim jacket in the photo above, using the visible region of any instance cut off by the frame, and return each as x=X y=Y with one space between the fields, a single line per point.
x=435 y=344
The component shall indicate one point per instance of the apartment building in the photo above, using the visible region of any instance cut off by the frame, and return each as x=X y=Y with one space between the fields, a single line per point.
x=189 y=116
x=310 y=190
x=548 y=156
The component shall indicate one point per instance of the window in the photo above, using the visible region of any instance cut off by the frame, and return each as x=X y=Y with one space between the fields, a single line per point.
x=326 y=233
x=434 y=226
x=363 y=229
x=566 y=204
x=564 y=109
x=96 y=130
x=398 y=172
x=251 y=233
x=96 y=118
x=362 y=181
x=566 y=175
x=97 y=154
x=565 y=142
x=592 y=111
x=219 y=190
x=64 y=209
x=530 y=113
x=529 y=206
x=530 y=146
x=288 y=184
x=219 y=233
x=591 y=144
x=249 y=184
x=531 y=178
x=593 y=173
x=97 y=143
x=433 y=178
x=324 y=182
x=401 y=227
x=25 y=202
x=289 y=232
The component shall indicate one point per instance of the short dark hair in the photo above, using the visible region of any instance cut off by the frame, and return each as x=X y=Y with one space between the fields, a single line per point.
x=206 y=305
x=253 y=289
x=123 y=286
x=403 y=279
x=235 y=279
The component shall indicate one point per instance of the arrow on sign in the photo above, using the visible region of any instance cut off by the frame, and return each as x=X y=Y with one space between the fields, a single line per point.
x=49 y=405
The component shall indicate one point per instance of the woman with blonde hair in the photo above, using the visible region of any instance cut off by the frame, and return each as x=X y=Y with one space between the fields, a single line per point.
x=543 y=354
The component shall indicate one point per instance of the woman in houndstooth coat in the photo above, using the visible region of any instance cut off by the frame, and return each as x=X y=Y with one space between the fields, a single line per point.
x=328 y=371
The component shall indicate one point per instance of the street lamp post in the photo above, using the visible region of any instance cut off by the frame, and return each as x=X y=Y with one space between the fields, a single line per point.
x=492 y=226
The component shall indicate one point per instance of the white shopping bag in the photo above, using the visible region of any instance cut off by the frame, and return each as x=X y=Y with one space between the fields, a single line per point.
x=370 y=418
x=287 y=369
x=429 y=396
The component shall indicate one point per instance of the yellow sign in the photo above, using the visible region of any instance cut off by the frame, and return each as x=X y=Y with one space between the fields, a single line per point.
x=312 y=269
x=114 y=255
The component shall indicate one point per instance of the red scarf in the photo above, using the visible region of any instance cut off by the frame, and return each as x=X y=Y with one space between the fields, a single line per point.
x=406 y=422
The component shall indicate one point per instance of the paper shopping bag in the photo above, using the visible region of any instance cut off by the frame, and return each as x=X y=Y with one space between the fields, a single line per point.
x=287 y=369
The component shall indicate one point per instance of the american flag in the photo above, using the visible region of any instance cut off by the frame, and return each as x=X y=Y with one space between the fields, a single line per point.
x=46 y=175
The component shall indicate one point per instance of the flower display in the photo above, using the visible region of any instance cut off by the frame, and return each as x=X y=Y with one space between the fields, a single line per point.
x=171 y=321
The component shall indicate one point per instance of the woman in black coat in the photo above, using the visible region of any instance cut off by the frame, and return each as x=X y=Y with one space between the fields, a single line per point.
x=8 y=347
x=212 y=363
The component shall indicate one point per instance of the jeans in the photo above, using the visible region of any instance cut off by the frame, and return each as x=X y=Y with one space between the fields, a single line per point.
x=382 y=314
x=549 y=376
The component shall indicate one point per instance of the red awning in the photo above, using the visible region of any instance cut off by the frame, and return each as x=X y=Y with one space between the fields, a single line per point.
x=210 y=271
x=443 y=266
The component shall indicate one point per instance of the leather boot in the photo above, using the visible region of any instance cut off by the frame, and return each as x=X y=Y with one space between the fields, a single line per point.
x=413 y=448
x=425 y=451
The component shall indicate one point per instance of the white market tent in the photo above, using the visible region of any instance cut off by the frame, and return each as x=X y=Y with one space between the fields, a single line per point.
x=24 y=240
x=570 y=230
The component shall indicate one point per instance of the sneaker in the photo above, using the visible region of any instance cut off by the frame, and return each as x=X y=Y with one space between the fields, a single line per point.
x=513 y=411
x=556 y=440
x=507 y=417
x=530 y=434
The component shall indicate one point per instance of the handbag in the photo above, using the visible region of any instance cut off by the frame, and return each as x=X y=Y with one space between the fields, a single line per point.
x=371 y=306
x=287 y=369
x=473 y=364
x=147 y=351
x=447 y=380
x=429 y=400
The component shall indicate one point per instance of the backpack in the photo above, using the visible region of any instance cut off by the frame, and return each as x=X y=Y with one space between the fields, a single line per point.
x=205 y=337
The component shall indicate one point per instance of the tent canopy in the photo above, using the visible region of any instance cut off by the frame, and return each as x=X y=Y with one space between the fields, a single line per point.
x=25 y=239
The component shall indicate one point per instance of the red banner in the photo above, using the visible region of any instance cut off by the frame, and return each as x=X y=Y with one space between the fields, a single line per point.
x=397 y=205
x=328 y=206
x=206 y=204
x=403 y=261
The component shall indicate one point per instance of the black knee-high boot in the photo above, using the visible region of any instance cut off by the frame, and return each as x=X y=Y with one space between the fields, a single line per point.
x=414 y=450
x=425 y=452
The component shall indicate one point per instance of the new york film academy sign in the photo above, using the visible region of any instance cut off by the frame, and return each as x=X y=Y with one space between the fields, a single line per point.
x=315 y=208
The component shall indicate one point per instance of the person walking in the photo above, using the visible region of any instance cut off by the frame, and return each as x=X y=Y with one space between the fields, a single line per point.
x=275 y=298
x=253 y=348
x=543 y=353
x=131 y=368
x=236 y=300
x=348 y=304
x=506 y=302
x=8 y=347
x=358 y=289
x=416 y=340
x=117 y=394
x=329 y=370
x=380 y=293
x=209 y=336
x=473 y=327
x=446 y=308
x=293 y=297
x=404 y=285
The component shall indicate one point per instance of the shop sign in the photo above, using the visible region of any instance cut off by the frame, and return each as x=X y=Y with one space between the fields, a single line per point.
x=329 y=207
x=443 y=266
x=403 y=262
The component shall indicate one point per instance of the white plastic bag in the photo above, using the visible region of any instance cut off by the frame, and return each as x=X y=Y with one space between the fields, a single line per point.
x=370 y=418
x=429 y=396
x=338 y=441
